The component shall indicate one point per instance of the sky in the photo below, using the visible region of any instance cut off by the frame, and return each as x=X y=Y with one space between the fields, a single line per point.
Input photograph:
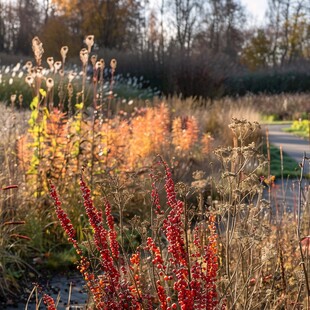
x=257 y=9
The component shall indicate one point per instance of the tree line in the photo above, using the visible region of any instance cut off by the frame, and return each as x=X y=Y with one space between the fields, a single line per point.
x=180 y=44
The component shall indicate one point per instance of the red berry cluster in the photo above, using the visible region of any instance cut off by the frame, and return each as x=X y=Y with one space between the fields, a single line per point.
x=112 y=274
x=172 y=225
x=196 y=269
x=49 y=302
x=83 y=263
x=62 y=216
x=211 y=261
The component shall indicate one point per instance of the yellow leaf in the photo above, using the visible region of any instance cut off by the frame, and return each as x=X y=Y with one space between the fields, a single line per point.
x=42 y=92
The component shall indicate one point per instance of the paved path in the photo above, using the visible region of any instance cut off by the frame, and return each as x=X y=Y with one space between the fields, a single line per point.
x=287 y=194
x=292 y=145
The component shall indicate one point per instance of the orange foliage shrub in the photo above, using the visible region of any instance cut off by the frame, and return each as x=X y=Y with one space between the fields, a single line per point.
x=114 y=144
x=184 y=133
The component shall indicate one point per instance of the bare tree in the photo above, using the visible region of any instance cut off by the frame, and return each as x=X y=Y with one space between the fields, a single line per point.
x=185 y=19
x=288 y=30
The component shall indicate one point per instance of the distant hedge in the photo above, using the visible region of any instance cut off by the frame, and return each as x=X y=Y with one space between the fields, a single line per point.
x=268 y=83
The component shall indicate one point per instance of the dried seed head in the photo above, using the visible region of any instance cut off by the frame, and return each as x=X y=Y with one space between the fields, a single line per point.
x=61 y=72
x=89 y=41
x=20 y=99
x=102 y=63
x=71 y=76
x=49 y=84
x=38 y=50
x=13 y=98
x=113 y=64
x=63 y=52
x=57 y=65
x=28 y=66
x=29 y=80
x=84 y=56
x=38 y=72
x=50 y=62
x=98 y=65
x=70 y=90
x=93 y=60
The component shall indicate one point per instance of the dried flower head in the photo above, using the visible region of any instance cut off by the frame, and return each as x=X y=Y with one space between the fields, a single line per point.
x=63 y=52
x=20 y=99
x=84 y=56
x=57 y=65
x=113 y=64
x=98 y=65
x=71 y=76
x=93 y=60
x=50 y=62
x=13 y=98
x=38 y=72
x=70 y=89
x=29 y=80
x=37 y=47
x=28 y=66
x=89 y=41
x=49 y=84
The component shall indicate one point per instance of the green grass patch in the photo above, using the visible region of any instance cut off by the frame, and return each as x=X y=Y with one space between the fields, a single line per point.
x=61 y=260
x=290 y=166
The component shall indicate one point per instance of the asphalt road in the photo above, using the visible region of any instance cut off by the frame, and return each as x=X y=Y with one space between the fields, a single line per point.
x=292 y=145
x=285 y=193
